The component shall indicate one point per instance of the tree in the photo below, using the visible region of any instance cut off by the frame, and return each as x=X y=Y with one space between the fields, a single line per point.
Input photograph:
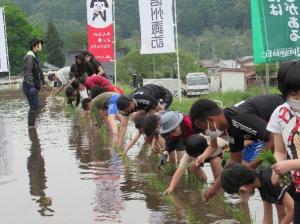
x=54 y=46
x=76 y=40
x=19 y=33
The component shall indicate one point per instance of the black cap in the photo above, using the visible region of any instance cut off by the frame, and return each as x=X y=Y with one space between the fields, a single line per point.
x=34 y=41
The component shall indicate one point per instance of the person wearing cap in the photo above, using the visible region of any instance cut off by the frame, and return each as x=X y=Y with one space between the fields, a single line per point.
x=175 y=128
x=62 y=77
x=33 y=78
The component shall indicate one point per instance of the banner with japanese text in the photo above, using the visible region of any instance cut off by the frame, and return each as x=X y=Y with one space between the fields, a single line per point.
x=275 y=30
x=3 y=47
x=100 y=29
x=157 y=26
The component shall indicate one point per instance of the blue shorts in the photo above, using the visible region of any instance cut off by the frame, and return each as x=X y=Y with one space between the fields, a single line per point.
x=112 y=105
x=251 y=151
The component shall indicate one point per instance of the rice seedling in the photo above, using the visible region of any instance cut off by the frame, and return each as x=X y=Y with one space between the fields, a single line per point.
x=191 y=217
x=268 y=159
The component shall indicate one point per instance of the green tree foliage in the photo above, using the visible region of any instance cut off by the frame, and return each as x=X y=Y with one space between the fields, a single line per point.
x=54 y=46
x=194 y=16
x=19 y=33
x=215 y=23
x=76 y=40
x=155 y=66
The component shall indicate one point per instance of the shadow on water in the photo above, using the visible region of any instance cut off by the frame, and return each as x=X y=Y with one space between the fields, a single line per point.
x=37 y=177
x=74 y=176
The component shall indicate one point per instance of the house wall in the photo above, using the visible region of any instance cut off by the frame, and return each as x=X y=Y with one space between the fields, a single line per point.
x=232 y=80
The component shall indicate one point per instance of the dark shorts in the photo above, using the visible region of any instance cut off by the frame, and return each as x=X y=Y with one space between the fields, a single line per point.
x=178 y=144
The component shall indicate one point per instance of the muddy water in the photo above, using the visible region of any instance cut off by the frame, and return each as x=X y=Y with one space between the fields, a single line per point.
x=62 y=172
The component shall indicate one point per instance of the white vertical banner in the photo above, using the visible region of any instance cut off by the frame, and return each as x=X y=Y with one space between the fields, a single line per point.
x=157 y=26
x=3 y=46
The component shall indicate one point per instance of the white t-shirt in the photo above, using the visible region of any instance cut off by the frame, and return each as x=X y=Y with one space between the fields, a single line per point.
x=286 y=122
x=63 y=75
x=83 y=94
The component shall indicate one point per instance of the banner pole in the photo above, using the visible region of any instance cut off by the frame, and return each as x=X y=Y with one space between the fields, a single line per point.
x=267 y=77
x=7 y=56
x=115 y=42
x=177 y=53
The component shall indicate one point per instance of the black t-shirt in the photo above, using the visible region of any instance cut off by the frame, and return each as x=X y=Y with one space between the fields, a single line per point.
x=148 y=96
x=269 y=192
x=248 y=119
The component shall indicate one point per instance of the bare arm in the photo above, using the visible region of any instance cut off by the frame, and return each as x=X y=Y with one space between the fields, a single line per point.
x=113 y=128
x=136 y=137
x=213 y=146
x=158 y=107
x=288 y=203
x=280 y=152
x=175 y=179
x=101 y=71
x=158 y=144
x=123 y=128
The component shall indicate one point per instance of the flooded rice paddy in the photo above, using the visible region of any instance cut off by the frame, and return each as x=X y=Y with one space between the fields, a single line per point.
x=65 y=172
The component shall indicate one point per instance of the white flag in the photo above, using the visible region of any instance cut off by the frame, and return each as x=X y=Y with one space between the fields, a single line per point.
x=157 y=26
x=3 y=51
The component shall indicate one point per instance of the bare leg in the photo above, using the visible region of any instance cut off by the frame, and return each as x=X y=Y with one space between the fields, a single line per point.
x=268 y=213
x=216 y=166
x=198 y=171
x=179 y=155
x=122 y=130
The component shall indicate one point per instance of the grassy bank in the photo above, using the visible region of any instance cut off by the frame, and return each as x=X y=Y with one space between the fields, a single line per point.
x=227 y=99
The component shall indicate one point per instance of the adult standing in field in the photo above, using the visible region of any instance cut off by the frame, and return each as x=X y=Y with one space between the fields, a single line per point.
x=33 y=79
x=94 y=66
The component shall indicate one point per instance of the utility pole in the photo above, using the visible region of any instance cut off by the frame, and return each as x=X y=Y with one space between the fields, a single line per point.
x=199 y=41
x=237 y=45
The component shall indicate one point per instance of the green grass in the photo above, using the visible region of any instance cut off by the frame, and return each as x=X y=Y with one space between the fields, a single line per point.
x=190 y=215
x=228 y=98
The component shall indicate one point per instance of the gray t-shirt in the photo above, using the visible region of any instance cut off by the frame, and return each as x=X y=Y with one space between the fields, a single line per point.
x=63 y=75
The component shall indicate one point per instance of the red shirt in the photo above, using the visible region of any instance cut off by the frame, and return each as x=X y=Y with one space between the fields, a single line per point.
x=96 y=80
x=187 y=129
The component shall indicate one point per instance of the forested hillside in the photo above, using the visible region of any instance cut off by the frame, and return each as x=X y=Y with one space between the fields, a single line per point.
x=207 y=28
x=194 y=16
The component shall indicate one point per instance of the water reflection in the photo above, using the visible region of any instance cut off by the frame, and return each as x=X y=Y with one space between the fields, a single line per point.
x=87 y=180
x=37 y=177
x=5 y=152
x=108 y=195
x=102 y=165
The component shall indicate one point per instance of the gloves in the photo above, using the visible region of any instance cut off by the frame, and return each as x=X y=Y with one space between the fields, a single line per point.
x=32 y=90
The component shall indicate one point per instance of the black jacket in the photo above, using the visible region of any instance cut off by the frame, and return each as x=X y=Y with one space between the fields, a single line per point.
x=32 y=72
